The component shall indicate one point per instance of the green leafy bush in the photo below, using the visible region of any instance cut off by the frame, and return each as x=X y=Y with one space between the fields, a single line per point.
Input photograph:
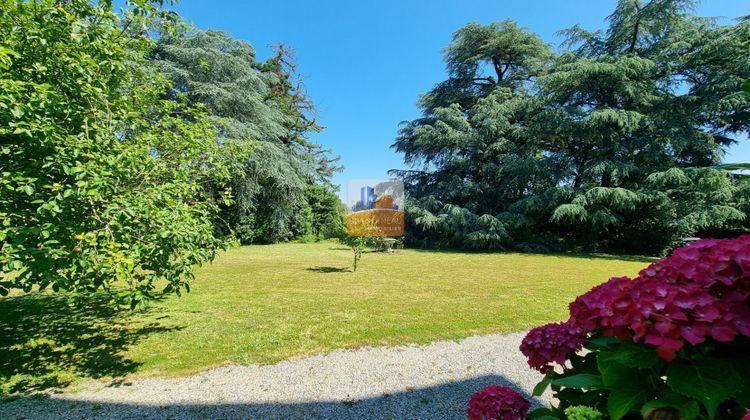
x=675 y=339
x=103 y=179
x=673 y=342
x=582 y=412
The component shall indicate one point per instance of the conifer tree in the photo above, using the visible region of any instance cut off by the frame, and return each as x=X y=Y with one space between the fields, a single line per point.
x=600 y=147
x=260 y=107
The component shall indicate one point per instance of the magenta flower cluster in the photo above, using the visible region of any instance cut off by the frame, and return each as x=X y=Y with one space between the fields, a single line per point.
x=700 y=292
x=497 y=402
x=552 y=343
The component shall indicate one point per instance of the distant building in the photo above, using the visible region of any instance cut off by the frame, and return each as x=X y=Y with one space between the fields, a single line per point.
x=366 y=198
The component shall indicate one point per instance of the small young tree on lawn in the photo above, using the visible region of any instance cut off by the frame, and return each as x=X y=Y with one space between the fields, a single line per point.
x=355 y=234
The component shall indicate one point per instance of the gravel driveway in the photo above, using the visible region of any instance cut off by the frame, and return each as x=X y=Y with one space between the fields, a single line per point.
x=407 y=382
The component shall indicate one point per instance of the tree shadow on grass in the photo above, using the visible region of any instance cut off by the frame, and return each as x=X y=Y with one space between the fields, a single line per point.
x=329 y=269
x=339 y=248
x=623 y=257
x=591 y=256
x=45 y=343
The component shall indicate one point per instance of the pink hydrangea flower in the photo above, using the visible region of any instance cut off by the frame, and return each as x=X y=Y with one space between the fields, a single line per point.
x=607 y=307
x=552 y=343
x=699 y=292
x=497 y=402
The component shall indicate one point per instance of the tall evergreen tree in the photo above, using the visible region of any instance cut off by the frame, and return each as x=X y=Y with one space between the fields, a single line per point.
x=472 y=151
x=522 y=148
x=256 y=106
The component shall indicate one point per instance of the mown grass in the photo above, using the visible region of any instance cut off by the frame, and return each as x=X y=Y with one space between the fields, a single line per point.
x=262 y=304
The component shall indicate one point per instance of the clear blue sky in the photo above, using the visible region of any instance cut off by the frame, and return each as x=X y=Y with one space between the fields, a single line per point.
x=366 y=62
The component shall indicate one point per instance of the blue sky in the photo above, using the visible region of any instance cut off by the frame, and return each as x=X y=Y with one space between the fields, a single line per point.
x=366 y=62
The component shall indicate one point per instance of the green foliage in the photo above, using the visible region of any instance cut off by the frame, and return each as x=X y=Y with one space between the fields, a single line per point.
x=326 y=211
x=701 y=199
x=102 y=179
x=510 y=52
x=221 y=73
x=269 y=194
x=261 y=108
x=358 y=244
x=581 y=412
x=711 y=381
x=521 y=147
x=456 y=227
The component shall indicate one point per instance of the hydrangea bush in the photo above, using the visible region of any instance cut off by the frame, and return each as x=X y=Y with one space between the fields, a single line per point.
x=674 y=342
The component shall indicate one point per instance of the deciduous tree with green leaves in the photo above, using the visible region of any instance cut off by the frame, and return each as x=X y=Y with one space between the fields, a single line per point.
x=327 y=211
x=103 y=179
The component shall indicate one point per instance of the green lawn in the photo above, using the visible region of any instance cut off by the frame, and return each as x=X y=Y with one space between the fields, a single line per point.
x=262 y=304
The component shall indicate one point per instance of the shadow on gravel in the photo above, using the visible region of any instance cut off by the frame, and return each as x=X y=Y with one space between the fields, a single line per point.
x=444 y=401
x=44 y=343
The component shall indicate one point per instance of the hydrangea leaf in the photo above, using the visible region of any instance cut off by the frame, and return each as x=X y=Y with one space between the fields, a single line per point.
x=635 y=355
x=629 y=390
x=601 y=343
x=625 y=398
x=542 y=413
x=583 y=380
x=687 y=407
x=542 y=386
x=742 y=367
x=710 y=381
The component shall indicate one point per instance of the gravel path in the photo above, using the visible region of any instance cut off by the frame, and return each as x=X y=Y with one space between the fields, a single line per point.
x=407 y=382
